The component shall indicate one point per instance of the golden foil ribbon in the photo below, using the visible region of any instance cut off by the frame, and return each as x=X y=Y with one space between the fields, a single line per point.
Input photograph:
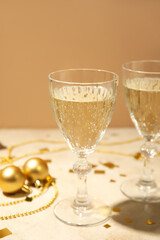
x=10 y=159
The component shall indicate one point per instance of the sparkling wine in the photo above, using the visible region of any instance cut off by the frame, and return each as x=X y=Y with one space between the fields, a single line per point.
x=143 y=101
x=82 y=113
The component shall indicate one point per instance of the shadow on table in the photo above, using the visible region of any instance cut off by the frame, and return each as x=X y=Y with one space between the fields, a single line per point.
x=139 y=213
x=18 y=194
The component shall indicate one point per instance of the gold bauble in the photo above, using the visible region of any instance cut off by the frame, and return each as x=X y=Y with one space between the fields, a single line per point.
x=35 y=169
x=11 y=179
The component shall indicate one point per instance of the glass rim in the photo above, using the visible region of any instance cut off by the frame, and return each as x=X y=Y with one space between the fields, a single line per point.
x=115 y=76
x=124 y=66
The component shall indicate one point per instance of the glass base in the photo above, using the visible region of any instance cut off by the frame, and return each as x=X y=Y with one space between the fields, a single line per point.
x=134 y=191
x=99 y=213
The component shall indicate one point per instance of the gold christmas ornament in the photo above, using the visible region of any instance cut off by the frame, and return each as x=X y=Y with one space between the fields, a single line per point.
x=11 y=179
x=35 y=169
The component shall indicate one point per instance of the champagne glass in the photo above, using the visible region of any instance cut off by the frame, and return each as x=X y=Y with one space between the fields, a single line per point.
x=141 y=84
x=82 y=101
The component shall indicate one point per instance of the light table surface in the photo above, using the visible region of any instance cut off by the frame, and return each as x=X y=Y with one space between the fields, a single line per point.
x=44 y=225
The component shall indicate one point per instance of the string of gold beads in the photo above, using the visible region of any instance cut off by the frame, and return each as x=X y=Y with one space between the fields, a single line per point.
x=17 y=215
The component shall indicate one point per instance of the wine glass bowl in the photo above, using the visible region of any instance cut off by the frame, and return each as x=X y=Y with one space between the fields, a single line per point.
x=141 y=84
x=82 y=101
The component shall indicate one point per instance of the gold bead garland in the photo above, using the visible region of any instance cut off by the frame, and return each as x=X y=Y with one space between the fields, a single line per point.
x=50 y=181
x=42 y=188
x=33 y=211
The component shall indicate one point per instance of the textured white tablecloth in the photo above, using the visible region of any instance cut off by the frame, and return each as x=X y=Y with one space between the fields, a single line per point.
x=45 y=226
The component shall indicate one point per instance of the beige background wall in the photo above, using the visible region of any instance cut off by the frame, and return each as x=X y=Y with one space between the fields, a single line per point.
x=40 y=36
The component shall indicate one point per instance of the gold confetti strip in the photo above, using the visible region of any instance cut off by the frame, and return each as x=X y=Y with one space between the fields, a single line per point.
x=5 y=232
x=116 y=209
x=94 y=165
x=2 y=146
x=112 y=180
x=109 y=164
x=150 y=222
x=128 y=220
x=99 y=171
x=122 y=175
x=138 y=156
x=107 y=226
x=28 y=199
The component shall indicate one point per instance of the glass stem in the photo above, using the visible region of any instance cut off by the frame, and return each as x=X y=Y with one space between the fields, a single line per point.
x=148 y=151
x=82 y=201
x=147 y=175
